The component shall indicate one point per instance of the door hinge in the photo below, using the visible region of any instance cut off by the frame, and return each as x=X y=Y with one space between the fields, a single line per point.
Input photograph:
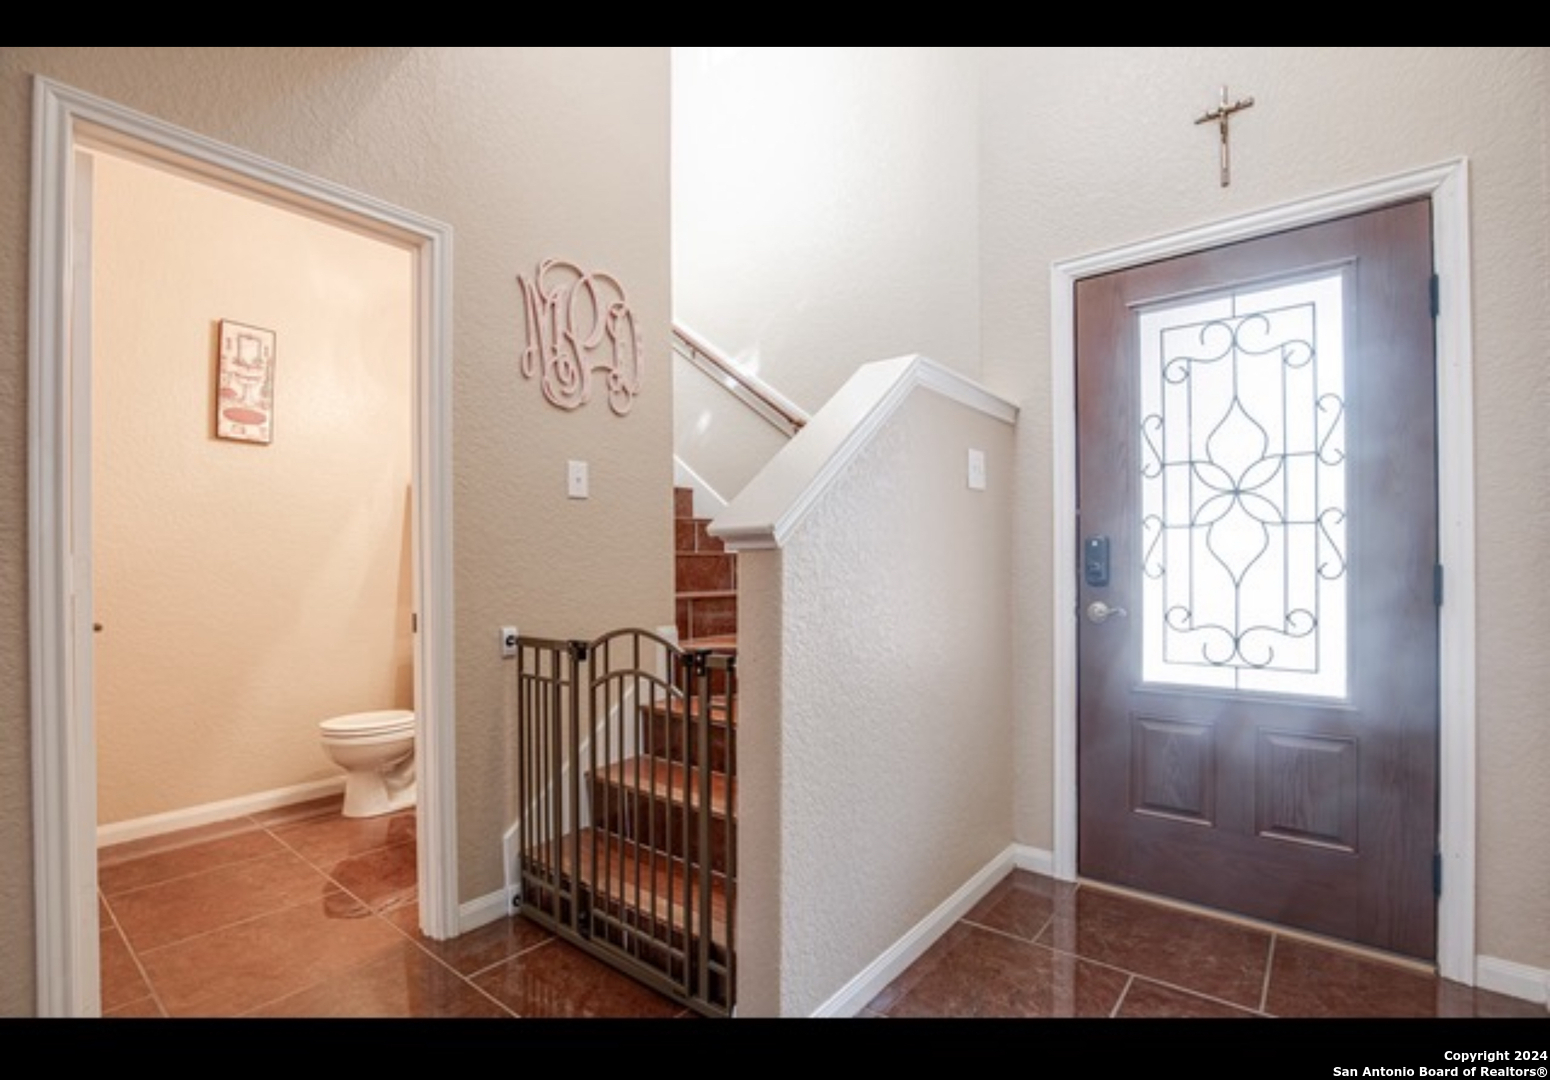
x=1437 y=873
x=1437 y=585
x=1436 y=288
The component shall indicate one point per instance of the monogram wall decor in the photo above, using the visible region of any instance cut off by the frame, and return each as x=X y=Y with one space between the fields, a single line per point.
x=580 y=327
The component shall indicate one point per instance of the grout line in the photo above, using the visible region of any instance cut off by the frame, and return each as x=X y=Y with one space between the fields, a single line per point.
x=1133 y=974
x=159 y=883
x=1119 y=1002
x=1270 y=960
x=134 y=957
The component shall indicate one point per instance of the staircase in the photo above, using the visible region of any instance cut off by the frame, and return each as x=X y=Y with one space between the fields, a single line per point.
x=705 y=579
x=648 y=883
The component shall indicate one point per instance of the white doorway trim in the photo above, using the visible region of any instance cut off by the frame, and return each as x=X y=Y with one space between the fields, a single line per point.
x=1447 y=186
x=64 y=802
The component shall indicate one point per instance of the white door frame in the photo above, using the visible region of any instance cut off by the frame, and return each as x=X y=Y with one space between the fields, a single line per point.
x=1447 y=186
x=64 y=797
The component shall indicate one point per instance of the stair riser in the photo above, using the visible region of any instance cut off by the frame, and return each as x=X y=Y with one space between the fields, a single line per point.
x=706 y=572
x=632 y=815
x=664 y=737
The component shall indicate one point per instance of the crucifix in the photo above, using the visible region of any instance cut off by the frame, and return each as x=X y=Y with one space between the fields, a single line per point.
x=1222 y=114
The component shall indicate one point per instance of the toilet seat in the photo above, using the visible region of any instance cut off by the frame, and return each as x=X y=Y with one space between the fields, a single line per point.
x=367 y=725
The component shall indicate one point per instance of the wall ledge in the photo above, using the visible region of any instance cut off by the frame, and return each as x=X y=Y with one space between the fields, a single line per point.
x=776 y=501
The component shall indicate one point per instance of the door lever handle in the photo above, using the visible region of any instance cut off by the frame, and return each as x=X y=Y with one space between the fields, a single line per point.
x=1099 y=612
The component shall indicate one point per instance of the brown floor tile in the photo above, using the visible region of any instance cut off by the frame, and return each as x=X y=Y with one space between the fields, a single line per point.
x=240 y=968
x=402 y=983
x=1315 y=981
x=975 y=973
x=1021 y=904
x=163 y=858
x=562 y=982
x=472 y=952
x=326 y=840
x=1214 y=957
x=380 y=879
x=172 y=911
x=121 y=980
x=142 y=1009
x=1153 y=1001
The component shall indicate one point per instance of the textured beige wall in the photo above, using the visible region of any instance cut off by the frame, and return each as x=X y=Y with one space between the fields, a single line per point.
x=528 y=153
x=825 y=208
x=247 y=591
x=895 y=742
x=1088 y=148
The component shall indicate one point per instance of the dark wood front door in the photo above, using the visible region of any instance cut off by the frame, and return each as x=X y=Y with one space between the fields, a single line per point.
x=1258 y=687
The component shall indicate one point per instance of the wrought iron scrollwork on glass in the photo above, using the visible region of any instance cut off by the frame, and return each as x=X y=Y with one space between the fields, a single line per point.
x=1242 y=464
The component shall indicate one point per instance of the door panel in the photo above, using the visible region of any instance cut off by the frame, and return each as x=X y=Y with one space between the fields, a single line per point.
x=1258 y=702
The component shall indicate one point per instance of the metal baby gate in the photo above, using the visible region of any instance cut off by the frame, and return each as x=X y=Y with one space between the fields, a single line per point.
x=625 y=843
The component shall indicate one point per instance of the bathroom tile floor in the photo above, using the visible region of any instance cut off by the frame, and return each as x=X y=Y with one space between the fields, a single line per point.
x=303 y=913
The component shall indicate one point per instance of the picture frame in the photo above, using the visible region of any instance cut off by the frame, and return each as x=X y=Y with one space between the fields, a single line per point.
x=244 y=395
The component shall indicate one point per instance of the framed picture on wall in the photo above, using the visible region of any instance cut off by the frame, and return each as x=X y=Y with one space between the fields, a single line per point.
x=244 y=396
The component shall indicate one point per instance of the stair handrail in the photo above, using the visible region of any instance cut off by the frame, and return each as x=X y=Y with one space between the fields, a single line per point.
x=750 y=390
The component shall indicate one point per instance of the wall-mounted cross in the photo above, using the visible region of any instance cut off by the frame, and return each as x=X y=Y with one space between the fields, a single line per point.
x=1222 y=114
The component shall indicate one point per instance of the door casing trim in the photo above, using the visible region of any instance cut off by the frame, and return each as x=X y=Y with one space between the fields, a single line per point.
x=63 y=754
x=1446 y=185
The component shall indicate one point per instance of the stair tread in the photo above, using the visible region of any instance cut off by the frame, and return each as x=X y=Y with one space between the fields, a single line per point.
x=670 y=782
x=668 y=881
x=708 y=594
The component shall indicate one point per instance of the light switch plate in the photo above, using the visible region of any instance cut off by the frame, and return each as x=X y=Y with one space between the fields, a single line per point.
x=976 y=470
x=576 y=479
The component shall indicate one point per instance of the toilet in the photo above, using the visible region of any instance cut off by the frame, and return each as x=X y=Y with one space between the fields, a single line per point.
x=376 y=751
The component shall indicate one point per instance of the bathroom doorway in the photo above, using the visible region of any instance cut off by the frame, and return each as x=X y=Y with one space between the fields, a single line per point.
x=250 y=578
x=76 y=134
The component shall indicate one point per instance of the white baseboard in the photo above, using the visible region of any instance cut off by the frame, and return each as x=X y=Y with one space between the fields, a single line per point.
x=1513 y=979
x=225 y=810
x=1034 y=860
x=876 y=976
x=482 y=911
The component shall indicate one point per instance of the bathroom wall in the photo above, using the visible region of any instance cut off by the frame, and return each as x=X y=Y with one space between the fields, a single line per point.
x=246 y=591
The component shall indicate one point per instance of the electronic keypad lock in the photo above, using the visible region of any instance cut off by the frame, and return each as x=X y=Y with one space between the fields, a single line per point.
x=1095 y=561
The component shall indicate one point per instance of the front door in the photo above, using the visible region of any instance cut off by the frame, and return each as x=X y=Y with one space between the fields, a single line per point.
x=1258 y=687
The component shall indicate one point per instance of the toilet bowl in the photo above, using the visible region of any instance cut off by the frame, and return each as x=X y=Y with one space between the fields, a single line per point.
x=376 y=751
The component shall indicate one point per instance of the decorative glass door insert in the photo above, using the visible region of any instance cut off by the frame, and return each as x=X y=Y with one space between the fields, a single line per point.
x=1243 y=500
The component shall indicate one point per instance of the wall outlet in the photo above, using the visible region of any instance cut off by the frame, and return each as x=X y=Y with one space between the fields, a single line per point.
x=576 y=479
x=509 y=641
x=976 y=470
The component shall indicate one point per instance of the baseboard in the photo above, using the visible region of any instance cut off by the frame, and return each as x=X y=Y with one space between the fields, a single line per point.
x=1513 y=979
x=876 y=976
x=482 y=911
x=1034 y=860
x=225 y=810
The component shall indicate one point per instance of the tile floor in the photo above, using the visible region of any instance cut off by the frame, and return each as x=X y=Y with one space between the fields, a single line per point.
x=1037 y=948
x=304 y=913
